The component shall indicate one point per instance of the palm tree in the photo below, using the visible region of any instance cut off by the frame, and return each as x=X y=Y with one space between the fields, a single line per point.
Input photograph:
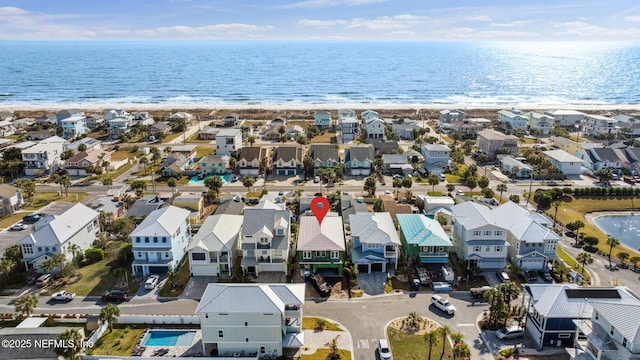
x=433 y=180
x=622 y=255
x=445 y=330
x=144 y=161
x=556 y=204
x=64 y=181
x=612 y=242
x=431 y=338
x=110 y=313
x=502 y=187
x=214 y=183
x=634 y=260
x=26 y=304
x=414 y=320
x=248 y=181
x=450 y=187
x=251 y=140
x=584 y=258
x=172 y=183
x=397 y=184
x=107 y=181
x=333 y=349
x=75 y=249
x=72 y=339
x=6 y=266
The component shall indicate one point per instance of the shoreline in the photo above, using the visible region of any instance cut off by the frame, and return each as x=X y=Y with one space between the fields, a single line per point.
x=591 y=216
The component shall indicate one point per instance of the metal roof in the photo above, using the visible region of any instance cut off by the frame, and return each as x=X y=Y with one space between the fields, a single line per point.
x=327 y=236
x=250 y=298
x=624 y=317
x=218 y=232
x=422 y=231
x=163 y=222
x=374 y=228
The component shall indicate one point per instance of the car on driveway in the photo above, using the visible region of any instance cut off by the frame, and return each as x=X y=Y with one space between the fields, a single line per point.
x=316 y=179
x=114 y=295
x=443 y=304
x=151 y=282
x=531 y=275
x=30 y=219
x=545 y=275
x=503 y=276
x=63 y=296
x=511 y=332
x=19 y=226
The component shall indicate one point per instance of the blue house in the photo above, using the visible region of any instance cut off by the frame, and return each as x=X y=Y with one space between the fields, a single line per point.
x=424 y=238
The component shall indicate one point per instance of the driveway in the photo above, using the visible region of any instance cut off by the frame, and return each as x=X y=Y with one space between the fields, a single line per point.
x=372 y=283
x=196 y=286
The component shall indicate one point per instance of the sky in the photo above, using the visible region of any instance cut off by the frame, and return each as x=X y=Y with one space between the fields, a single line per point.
x=387 y=20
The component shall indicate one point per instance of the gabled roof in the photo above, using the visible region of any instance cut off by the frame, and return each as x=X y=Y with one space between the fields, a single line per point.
x=229 y=132
x=91 y=155
x=359 y=153
x=61 y=228
x=324 y=152
x=624 y=317
x=473 y=215
x=287 y=153
x=210 y=159
x=422 y=231
x=256 y=219
x=435 y=147
x=328 y=236
x=524 y=227
x=250 y=298
x=606 y=154
x=493 y=135
x=562 y=156
x=162 y=222
x=145 y=206
x=251 y=153
x=374 y=228
x=7 y=191
x=394 y=159
x=217 y=233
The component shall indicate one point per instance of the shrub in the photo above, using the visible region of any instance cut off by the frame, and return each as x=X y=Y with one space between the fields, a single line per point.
x=93 y=255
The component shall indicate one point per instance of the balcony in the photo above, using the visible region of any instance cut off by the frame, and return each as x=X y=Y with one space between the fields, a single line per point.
x=154 y=261
x=434 y=254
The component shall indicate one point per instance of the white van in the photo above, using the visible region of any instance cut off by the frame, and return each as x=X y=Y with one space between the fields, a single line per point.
x=44 y=280
x=510 y=332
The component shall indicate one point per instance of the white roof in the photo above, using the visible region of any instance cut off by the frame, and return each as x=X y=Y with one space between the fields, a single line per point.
x=524 y=227
x=61 y=228
x=565 y=112
x=473 y=215
x=435 y=147
x=374 y=228
x=437 y=200
x=229 y=132
x=624 y=317
x=162 y=222
x=328 y=236
x=250 y=298
x=562 y=156
x=217 y=233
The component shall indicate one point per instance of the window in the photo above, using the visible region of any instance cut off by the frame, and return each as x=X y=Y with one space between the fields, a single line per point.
x=280 y=231
x=246 y=323
x=246 y=339
x=612 y=330
x=197 y=256
x=146 y=239
x=306 y=254
x=335 y=254
x=487 y=248
x=477 y=248
x=624 y=342
x=139 y=254
x=498 y=233
x=264 y=240
x=166 y=254
x=39 y=249
x=564 y=336
x=278 y=253
x=498 y=248
x=53 y=249
x=476 y=233
x=595 y=315
x=321 y=253
x=220 y=333
x=27 y=249
x=137 y=240
x=164 y=240
x=155 y=239
x=487 y=233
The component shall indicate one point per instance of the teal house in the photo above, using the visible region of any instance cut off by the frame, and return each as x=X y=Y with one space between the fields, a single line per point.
x=424 y=239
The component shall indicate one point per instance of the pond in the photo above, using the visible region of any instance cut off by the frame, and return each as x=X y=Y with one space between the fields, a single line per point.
x=625 y=228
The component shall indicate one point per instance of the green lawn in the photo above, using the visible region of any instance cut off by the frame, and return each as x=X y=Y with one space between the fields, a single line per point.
x=409 y=347
x=321 y=354
x=326 y=138
x=452 y=179
x=194 y=139
x=119 y=342
x=8 y=220
x=172 y=136
x=120 y=171
x=41 y=199
x=204 y=150
x=309 y=323
x=180 y=278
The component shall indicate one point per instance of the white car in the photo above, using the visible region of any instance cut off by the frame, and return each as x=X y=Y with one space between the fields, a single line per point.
x=63 y=296
x=443 y=304
x=384 y=350
x=459 y=192
x=19 y=226
x=151 y=282
x=388 y=192
x=316 y=179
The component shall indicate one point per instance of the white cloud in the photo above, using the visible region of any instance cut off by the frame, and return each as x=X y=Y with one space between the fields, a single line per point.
x=379 y=23
x=512 y=24
x=480 y=18
x=10 y=10
x=633 y=18
x=180 y=31
x=403 y=33
x=328 y=3
x=581 y=29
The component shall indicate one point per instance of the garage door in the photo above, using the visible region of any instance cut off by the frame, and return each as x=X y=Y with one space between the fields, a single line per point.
x=376 y=267
x=157 y=269
x=208 y=270
x=532 y=264
x=363 y=268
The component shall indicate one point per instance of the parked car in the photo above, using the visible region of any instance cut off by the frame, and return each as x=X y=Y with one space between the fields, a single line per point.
x=19 y=226
x=443 y=304
x=151 y=282
x=503 y=276
x=479 y=291
x=531 y=275
x=31 y=279
x=235 y=178
x=114 y=295
x=30 y=219
x=510 y=332
x=459 y=192
x=63 y=296
x=383 y=349
x=44 y=280
x=388 y=192
x=545 y=275
x=316 y=179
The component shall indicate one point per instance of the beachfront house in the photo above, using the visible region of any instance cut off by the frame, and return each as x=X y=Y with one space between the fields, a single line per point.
x=287 y=160
x=94 y=121
x=348 y=125
x=74 y=230
x=74 y=126
x=44 y=157
x=228 y=140
x=541 y=124
x=599 y=125
x=142 y=118
x=160 y=241
x=358 y=160
x=570 y=119
x=375 y=242
x=265 y=240
x=567 y=163
x=321 y=246
x=250 y=160
x=424 y=239
x=374 y=128
x=493 y=143
x=214 y=249
x=449 y=116
x=322 y=119
x=629 y=124
x=512 y=120
x=251 y=320
x=66 y=114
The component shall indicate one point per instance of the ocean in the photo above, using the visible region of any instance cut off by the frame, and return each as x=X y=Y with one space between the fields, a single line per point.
x=265 y=73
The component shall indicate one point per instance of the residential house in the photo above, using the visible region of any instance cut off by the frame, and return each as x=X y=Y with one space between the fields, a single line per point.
x=214 y=248
x=369 y=115
x=613 y=332
x=565 y=144
x=287 y=160
x=118 y=126
x=84 y=162
x=192 y=201
x=449 y=116
x=39 y=134
x=540 y=123
x=406 y=130
x=209 y=133
x=48 y=118
x=348 y=206
x=6 y=128
x=7 y=116
x=76 y=228
x=324 y=156
x=322 y=119
x=434 y=204
x=181 y=115
x=250 y=160
x=178 y=165
x=385 y=147
x=251 y=320
x=436 y=158
x=628 y=124
x=348 y=125
x=374 y=240
x=11 y=198
x=44 y=336
x=600 y=158
x=94 y=121
x=571 y=119
x=493 y=143
x=467 y=128
x=160 y=241
x=23 y=123
x=88 y=142
x=188 y=151
x=553 y=309
x=228 y=141
x=512 y=120
x=375 y=128
x=73 y=126
x=230 y=120
x=567 y=163
x=6 y=143
x=424 y=239
x=294 y=131
x=478 y=237
x=265 y=240
x=66 y=114
x=321 y=247
x=214 y=164
x=142 y=118
x=110 y=205
x=396 y=164
x=145 y=206
x=160 y=127
x=598 y=125
x=414 y=156
x=44 y=157
x=532 y=243
x=509 y=165
x=358 y=160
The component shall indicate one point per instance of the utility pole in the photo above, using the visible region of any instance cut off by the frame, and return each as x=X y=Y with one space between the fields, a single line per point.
x=530 y=187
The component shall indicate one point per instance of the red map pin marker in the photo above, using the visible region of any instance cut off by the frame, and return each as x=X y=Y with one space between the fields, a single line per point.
x=320 y=207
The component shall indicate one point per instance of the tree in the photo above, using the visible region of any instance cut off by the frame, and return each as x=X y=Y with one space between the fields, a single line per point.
x=370 y=185
x=282 y=130
x=75 y=249
x=248 y=181
x=139 y=186
x=26 y=304
x=378 y=165
x=634 y=260
x=110 y=313
x=232 y=163
x=556 y=204
x=13 y=252
x=623 y=256
x=584 y=258
x=604 y=176
x=433 y=180
x=483 y=182
x=431 y=338
x=450 y=187
x=407 y=182
x=575 y=226
x=71 y=339
x=65 y=155
x=378 y=205
x=144 y=161
x=515 y=198
x=107 y=181
x=6 y=266
x=28 y=188
x=333 y=349
x=172 y=183
x=502 y=187
x=214 y=183
x=445 y=330
x=251 y=140
x=397 y=184
x=612 y=242
x=471 y=183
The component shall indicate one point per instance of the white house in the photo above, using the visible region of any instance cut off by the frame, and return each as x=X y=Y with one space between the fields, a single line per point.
x=375 y=242
x=369 y=115
x=596 y=125
x=142 y=118
x=571 y=119
x=540 y=123
x=322 y=119
x=567 y=163
x=214 y=248
x=629 y=122
x=251 y=320
x=74 y=126
x=348 y=125
x=508 y=164
x=375 y=128
x=160 y=241
x=515 y=119
x=10 y=199
x=228 y=140
x=265 y=240
x=601 y=158
x=436 y=158
x=76 y=228
x=44 y=157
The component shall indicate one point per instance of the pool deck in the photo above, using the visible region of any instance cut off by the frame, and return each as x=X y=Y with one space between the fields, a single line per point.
x=194 y=350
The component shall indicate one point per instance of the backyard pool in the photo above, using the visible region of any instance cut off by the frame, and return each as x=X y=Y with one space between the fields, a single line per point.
x=195 y=181
x=169 y=338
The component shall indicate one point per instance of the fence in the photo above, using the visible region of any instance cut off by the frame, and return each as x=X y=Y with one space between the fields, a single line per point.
x=95 y=335
x=160 y=319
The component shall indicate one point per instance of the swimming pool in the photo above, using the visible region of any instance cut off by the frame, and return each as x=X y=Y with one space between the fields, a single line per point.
x=169 y=338
x=195 y=181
